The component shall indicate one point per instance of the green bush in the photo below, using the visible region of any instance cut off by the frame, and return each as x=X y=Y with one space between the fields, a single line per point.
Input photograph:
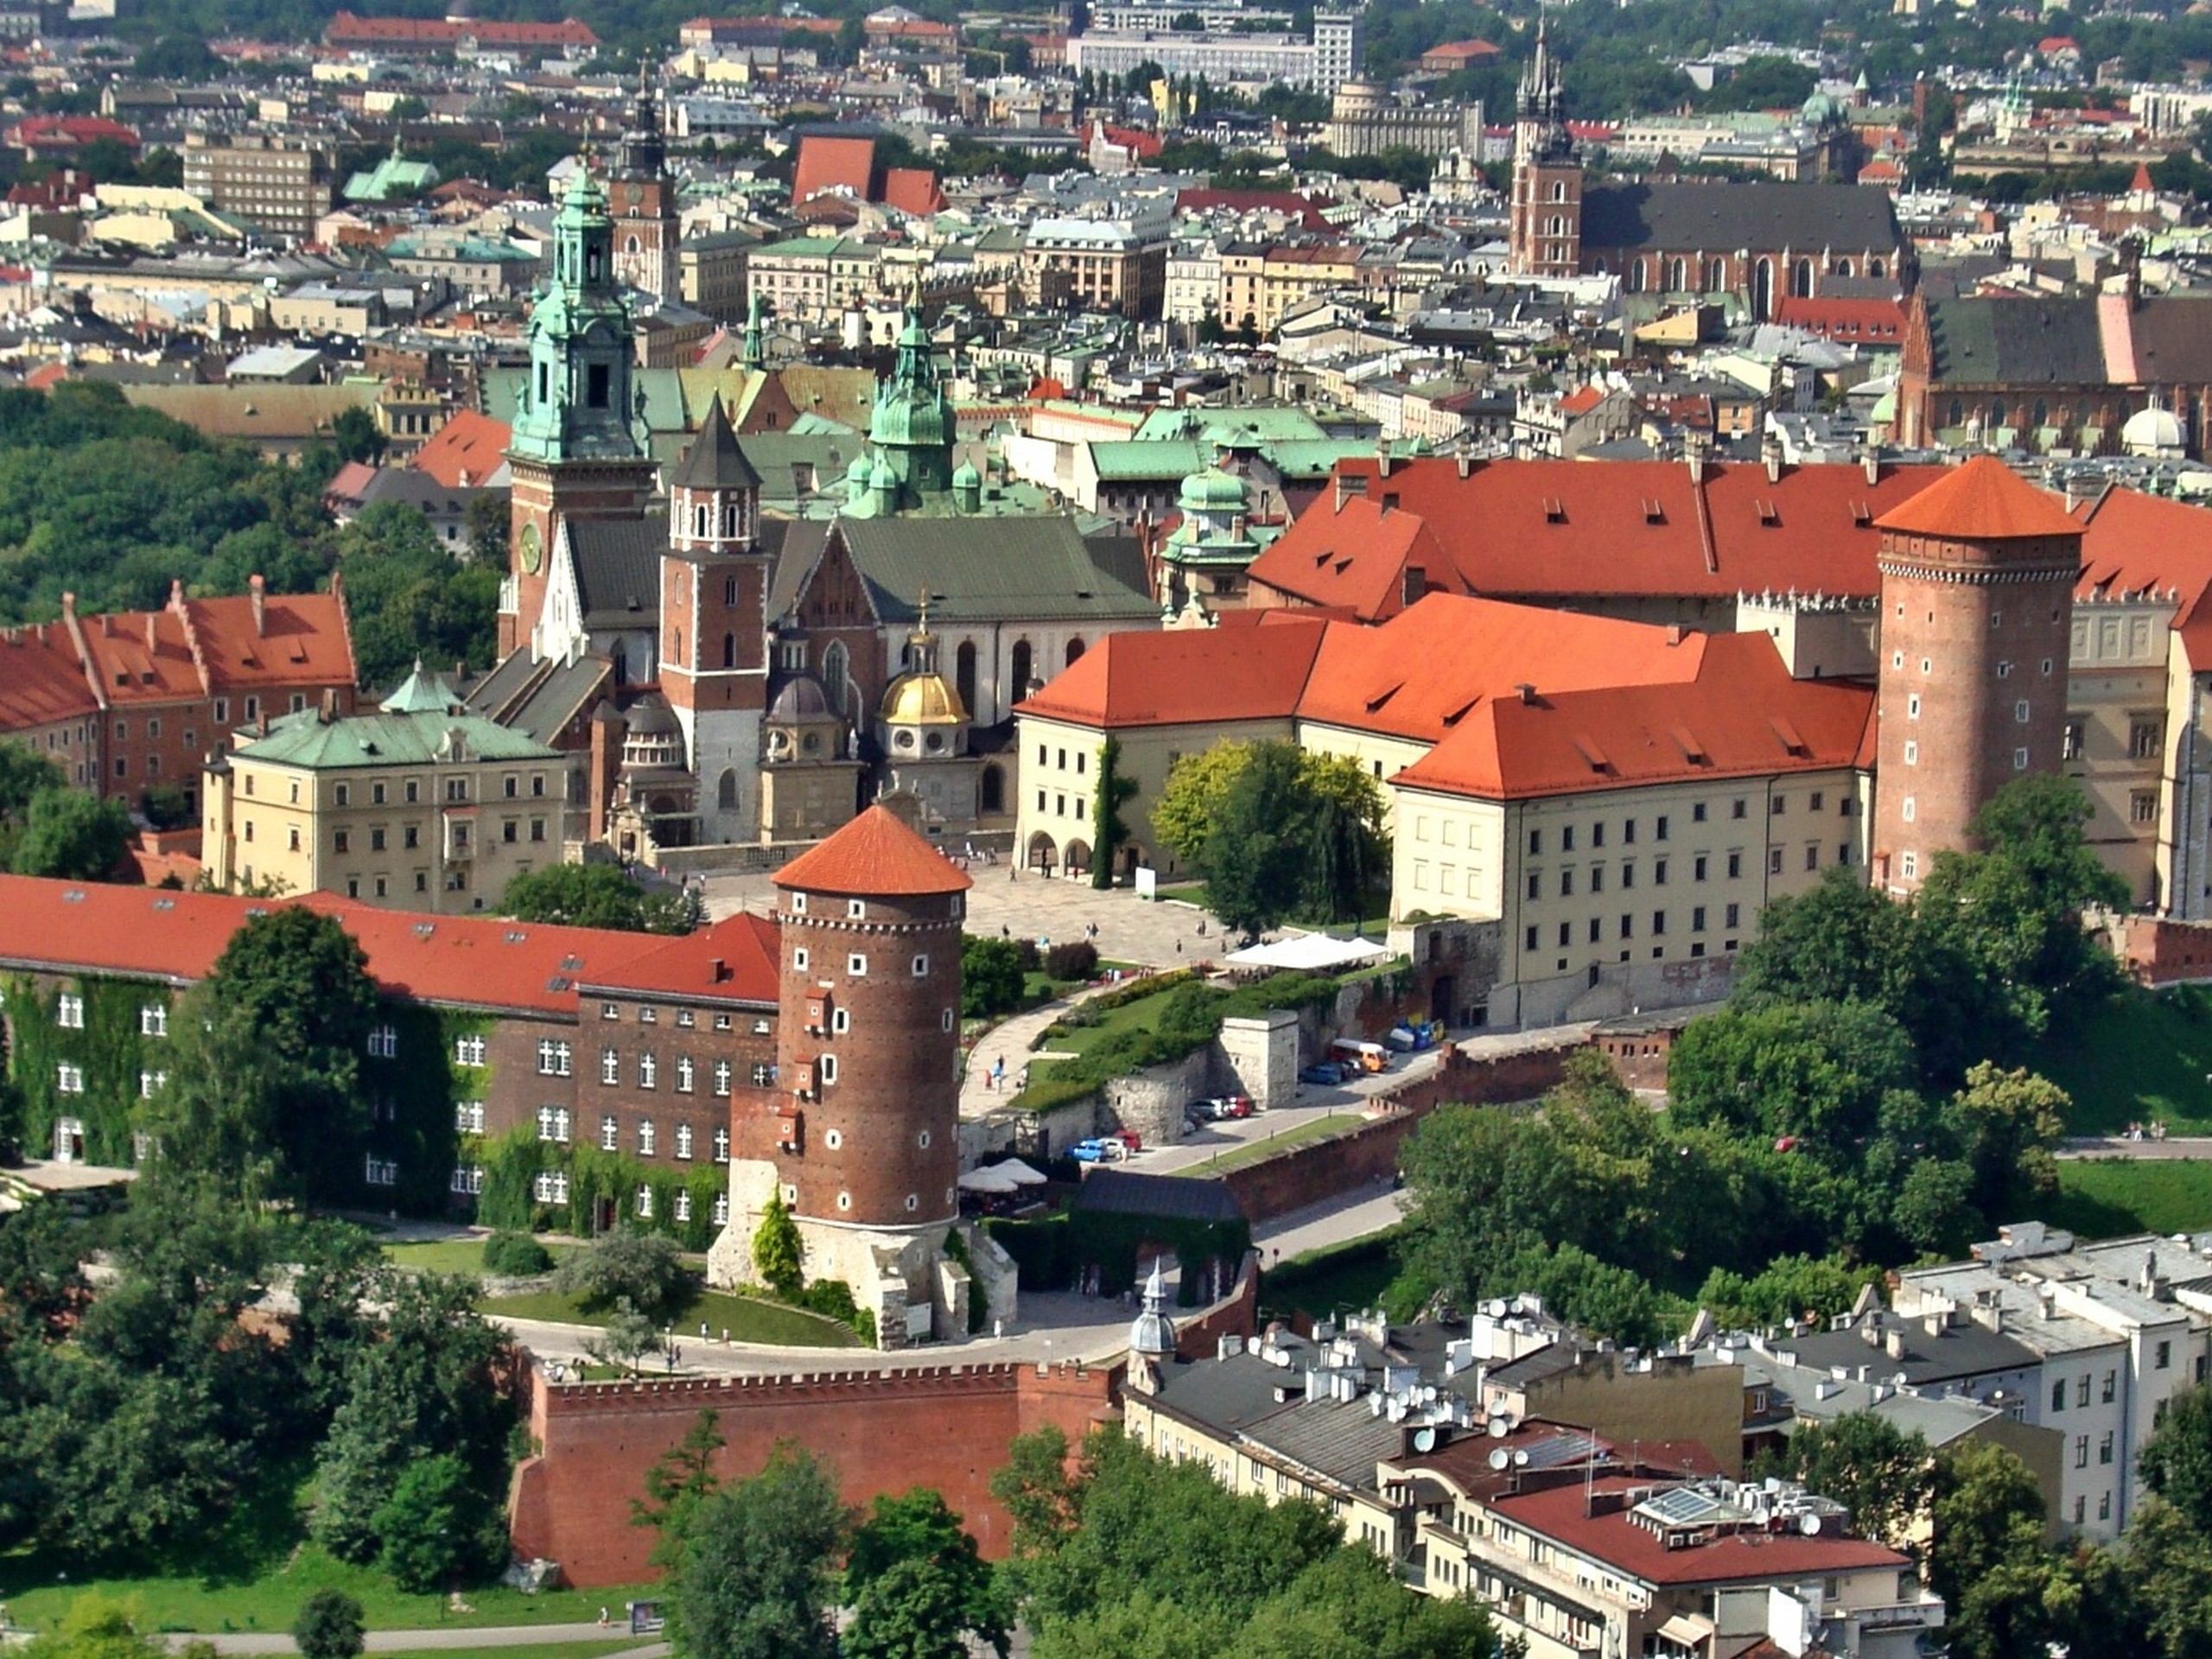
x=516 y=1255
x=833 y=1299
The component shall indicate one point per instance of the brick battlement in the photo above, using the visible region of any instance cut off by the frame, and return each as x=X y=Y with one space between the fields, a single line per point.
x=946 y=1427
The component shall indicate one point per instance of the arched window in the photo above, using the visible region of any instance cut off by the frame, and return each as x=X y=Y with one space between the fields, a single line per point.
x=993 y=789
x=1559 y=190
x=2042 y=413
x=1635 y=274
x=1996 y=413
x=1021 y=675
x=726 y=790
x=1075 y=650
x=964 y=676
x=621 y=657
x=1875 y=268
x=730 y=650
x=833 y=676
x=630 y=246
x=1842 y=267
x=1801 y=283
x=1958 y=412
x=1677 y=276
x=1763 y=290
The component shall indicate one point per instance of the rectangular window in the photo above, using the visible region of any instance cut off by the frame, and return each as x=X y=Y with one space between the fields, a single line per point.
x=1731 y=915
x=1566 y=884
x=1813 y=857
x=1697 y=812
x=684 y=1074
x=68 y=1079
x=1530 y=942
x=1536 y=842
x=383 y=1043
x=2143 y=739
x=553 y=1059
x=2082 y=1390
x=1535 y=885
x=2142 y=806
x=1774 y=860
x=2080 y=1451
x=648 y=1071
x=764 y=1074
x=1658 y=922
x=1659 y=828
x=645 y=1137
x=2070 y=743
x=2104 y=1448
x=683 y=1141
x=1697 y=867
x=1697 y=918
x=153 y=1020
x=2165 y=1356
x=69 y=1012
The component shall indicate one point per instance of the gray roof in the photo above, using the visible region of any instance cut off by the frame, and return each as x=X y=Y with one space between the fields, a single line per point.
x=539 y=699
x=2173 y=339
x=617 y=568
x=1227 y=1395
x=713 y=461
x=2014 y=342
x=417 y=490
x=804 y=540
x=1723 y=218
x=987 y=569
x=1960 y=1351
x=1125 y=1192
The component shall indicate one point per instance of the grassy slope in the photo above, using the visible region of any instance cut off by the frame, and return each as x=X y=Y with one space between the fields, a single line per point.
x=1253 y=1151
x=2136 y=1056
x=2105 y=1197
x=745 y=1319
x=452 y=1256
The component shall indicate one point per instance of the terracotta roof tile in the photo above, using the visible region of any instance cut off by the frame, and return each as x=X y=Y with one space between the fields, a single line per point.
x=912 y=190
x=1183 y=676
x=42 y=677
x=2132 y=542
x=877 y=853
x=469 y=442
x=1742 y=714
x=827 y=163
x=1984 y=499
x=735 y=960
x=1354 y=556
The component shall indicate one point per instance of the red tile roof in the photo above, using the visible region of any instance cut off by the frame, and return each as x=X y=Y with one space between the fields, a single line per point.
x=1425 y=671
x=1306 y=209
x=912 y=190
x=1760 y=1557
x=303 y=641
x=1356 y=560
x=1983 y=501
x=1558 y=529
x=480 y=962
x=1742 y=716
x=1184 y=677
x=469 y=442
x=2133 y=544
x=732 y=960
x=1874 y=320
x=42 y=677
x=875 y=854
x=827 y=163
x=345 y=28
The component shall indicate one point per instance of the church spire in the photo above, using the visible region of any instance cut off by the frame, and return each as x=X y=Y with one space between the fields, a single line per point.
x=756 y=356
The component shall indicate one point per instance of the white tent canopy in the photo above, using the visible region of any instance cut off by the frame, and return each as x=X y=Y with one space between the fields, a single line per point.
x=1009 y=1176
x=1312 y=953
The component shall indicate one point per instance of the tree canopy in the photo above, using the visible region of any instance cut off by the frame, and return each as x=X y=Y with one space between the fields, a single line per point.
x=597 y=895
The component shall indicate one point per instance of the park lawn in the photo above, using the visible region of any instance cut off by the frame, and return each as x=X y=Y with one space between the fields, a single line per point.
x=225 y=1594
x=1253 y=1151
x=2134 y=1057
x=453 y=1256
x=562 y=1650
x=745 y=1319
x=1141 y=1015
x=2106 y=1197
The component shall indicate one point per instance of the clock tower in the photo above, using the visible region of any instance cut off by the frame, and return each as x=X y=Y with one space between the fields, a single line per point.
x=576 y=452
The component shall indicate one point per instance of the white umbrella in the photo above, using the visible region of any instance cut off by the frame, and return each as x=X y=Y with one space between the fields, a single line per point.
x=989 y=1179
x=1020 y=1173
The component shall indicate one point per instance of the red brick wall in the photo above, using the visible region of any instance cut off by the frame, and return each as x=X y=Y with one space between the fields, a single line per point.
x=2156 y=951
x=946 y=1427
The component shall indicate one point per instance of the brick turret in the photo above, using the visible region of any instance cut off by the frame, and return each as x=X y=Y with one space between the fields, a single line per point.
x=1978 y=574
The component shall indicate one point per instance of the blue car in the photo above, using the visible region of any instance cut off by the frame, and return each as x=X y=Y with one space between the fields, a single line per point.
x=1090 y=1152
x=1328 y=1073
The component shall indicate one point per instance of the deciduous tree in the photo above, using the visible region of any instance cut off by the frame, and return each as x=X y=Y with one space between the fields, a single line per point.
x=753 y=1582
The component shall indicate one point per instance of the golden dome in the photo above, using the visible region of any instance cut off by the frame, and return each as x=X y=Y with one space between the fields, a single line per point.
x=923 y=700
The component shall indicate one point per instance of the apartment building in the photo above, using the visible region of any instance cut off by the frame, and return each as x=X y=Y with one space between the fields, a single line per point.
x=420 y=806
x=271 y=183
x=1099 y=264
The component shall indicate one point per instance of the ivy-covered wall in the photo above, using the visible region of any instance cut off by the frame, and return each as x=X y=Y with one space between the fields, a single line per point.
x=513 y=1162
x=108 y=1048
x=414 y=1095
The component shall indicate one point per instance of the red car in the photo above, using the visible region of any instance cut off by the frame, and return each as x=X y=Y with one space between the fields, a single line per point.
x=1128 y=1138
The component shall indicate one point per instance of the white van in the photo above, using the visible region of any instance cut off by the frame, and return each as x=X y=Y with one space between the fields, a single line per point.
x=1367 y=1057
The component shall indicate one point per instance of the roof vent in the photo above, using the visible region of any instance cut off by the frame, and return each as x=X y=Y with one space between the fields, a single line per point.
x=74 y=896
x=560 y=982
x=423 y=929
x=516 y=935
x=1527 y=692
x=1862 y=513
x=164 y=904
x=1769 y=513
x=571 y=962
x=1654 y=513
x=1555 y=510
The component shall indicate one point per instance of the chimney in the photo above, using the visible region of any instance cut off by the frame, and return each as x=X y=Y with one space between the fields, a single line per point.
x=152 y=633
x=68 y=607
x=1770 y=452
x=329 y=704
x=1527 y=691
x=1676 y=632
x=255 y=589
x=1694 y=453
x=1381 y=457
x=107 y=624
x=1893 y=1343
x=1872 y=459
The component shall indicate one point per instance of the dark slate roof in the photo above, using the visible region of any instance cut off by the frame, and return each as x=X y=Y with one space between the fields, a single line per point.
x=1228 y=1395
x=1341 y=1440
x=1121 y=555
x=1723 y=218
x=1173 y=1198
x=714 y=461
x=801 y=550
x=2173 y=339
x=617 y=568
x=2015 y=342
x=415 y=489
x=539 y=699
x=984 y=569
x=1962 y=1352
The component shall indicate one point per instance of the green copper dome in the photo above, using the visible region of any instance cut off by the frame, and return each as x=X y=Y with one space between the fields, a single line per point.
x=965 y=477
x=882 y=478
x=1211 y=490
x=857 y=472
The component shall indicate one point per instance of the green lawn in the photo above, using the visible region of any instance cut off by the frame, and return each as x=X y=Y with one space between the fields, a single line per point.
x=2138 y=1056
x=264 y=1593
x=452 y=1255
x=1253 y=1151
x=745 y=1320
x=565 y=1649
x=1142 y=1014
x=2105 y=1197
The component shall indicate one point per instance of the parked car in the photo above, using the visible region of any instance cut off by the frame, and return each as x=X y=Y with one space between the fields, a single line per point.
x=1089 y=1152
x=1327 y=1073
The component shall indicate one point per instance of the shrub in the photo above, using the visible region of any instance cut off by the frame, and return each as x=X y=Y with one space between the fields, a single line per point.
x=516 y=1255
x=1077 y=959
x=832 y=1298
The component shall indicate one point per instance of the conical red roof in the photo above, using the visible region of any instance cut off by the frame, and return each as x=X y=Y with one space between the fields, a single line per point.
x=1983 y=501
x=877 y=853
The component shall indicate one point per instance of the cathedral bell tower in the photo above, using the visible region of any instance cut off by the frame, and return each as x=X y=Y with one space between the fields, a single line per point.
x=713 y=622
x=642 y=200
x=1544 y=233
x=912 y=424
x=575 y=452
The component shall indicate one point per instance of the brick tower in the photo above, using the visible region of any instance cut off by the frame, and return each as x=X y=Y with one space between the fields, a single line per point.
x=714 y=637
x=1544 y=217
x=862 y=1137
x=642 y=199
x=1978 y=574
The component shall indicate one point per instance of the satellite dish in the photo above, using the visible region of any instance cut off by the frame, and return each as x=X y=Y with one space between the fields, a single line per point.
x=1809 y=1525
x=1499 y=1428
x=1424 y=1440
x=1501 y=1459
